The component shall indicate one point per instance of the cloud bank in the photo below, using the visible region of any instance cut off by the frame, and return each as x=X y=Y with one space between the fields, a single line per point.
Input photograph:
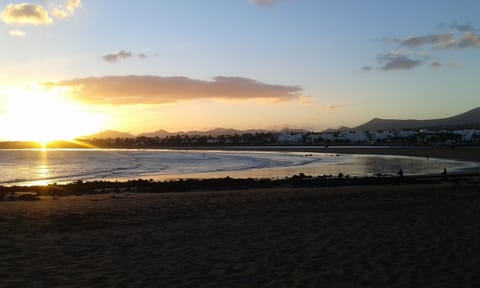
x=130 y=90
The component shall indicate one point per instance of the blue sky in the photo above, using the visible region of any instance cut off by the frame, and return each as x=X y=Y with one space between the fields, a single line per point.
x=332 y=63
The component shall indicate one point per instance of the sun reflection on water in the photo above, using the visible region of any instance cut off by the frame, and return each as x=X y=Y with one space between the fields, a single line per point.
x=42 y=170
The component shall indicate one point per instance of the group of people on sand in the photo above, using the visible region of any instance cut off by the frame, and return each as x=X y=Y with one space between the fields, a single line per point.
x=443 y=174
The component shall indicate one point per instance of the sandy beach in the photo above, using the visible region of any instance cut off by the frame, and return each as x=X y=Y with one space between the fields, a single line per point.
x=239 y=143
x=369 y=236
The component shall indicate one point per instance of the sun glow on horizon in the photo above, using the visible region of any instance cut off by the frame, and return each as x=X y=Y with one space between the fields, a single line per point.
x=43 y=116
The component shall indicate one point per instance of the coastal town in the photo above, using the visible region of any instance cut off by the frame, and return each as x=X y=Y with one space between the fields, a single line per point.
x=385 y=137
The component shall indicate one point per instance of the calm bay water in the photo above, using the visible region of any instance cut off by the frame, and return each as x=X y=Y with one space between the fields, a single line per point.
x=37 y=166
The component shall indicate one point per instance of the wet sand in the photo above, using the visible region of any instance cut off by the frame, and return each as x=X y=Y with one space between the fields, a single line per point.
x=359 y=236
x=461 y=153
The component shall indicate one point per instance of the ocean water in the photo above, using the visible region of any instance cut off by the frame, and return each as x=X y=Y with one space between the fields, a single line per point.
x=37 y=166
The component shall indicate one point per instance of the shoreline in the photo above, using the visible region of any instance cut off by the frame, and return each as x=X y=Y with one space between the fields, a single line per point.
x=459 y=153
x=468 y=154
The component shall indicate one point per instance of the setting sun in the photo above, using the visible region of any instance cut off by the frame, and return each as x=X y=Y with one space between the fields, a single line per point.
x=43 y=116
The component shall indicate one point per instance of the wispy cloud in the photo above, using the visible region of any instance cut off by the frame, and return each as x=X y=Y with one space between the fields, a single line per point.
x=334 y=107
x=114 y=57
x=443 y=41
x=17 y=33
x=122 y=55
x=24 y=13
x=396 y=61
x=436 y=64
x=65 y=9
x=130 y=90
x=438 y=40
x=367 y=68
x=263 y=2
x=459 y=27
x=463 y=27
x=469 y=39
x=422 y=46
x=73 y=4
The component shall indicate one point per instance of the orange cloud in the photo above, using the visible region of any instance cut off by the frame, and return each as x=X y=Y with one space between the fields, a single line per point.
x=24 y=13
x=129 y=90
x=73 y=4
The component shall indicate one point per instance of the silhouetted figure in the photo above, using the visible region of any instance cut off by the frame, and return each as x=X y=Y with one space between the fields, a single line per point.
x=400 y=173
x=444 y=173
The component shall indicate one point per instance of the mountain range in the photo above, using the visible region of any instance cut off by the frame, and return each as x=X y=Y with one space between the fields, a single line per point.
x=467 y=120
x=163 y=133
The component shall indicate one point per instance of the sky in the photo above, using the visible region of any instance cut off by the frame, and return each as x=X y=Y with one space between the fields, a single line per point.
x=73 y=67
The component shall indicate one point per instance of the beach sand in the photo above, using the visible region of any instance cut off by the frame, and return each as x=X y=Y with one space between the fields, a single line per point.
x=357 y=236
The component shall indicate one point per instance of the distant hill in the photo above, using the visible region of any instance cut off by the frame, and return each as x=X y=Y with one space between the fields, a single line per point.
x=215 y=132
x=164 y=133
x=469 y=119
x=291 y=130
x=159 y=133
x=341 y=129
x=108 y=134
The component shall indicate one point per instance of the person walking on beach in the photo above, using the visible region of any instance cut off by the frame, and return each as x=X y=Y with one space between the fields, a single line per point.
x=400 y=173
x=444 y=173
